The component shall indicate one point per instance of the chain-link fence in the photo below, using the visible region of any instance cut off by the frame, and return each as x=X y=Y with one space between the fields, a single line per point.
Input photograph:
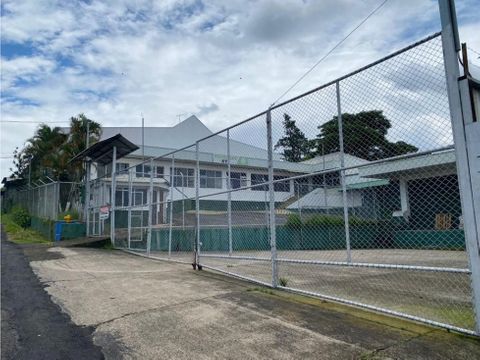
x=348 y=192
x=48 y=201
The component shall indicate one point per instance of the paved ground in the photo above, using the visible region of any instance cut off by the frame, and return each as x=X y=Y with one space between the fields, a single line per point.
x=146 y=309
x=32 y=326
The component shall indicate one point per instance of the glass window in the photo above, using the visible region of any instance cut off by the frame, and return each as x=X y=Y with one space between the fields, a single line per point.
x=142 y=170
x=121 y=197
x=259 y=179
x=282 y=186
x=139 y=197
x=159 y=171
x=238 y=180
x=210 y=179
x=121 y=168
x=184 y=177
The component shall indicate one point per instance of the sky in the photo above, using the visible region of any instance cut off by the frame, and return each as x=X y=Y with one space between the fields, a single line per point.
x=116 y=60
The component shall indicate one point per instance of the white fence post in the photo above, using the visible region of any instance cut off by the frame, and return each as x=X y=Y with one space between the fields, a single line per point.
x=150 y=212
x=197 y=204
x=130 y=195
x=460 y=112
x=112 y=195
x=342 y=174
x=229 y=196
x=273 y=238
x=170 y=224
x=87 y=199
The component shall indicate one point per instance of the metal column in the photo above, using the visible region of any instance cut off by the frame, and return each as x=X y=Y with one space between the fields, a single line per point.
x=170 y=225
x=342 y=174
x=461 y=115
x=112 y=196
x=197 y=204
x=150 y=212
x=130 y=195
x=273 y=238
x=229 y=197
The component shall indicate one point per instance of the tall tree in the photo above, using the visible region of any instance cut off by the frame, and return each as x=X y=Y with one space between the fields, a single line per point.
x=364 y=136
x=295 y=145
x=48 y=152
x=77 y=142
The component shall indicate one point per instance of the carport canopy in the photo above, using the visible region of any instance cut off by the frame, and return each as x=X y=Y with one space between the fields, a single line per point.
x=102 y=151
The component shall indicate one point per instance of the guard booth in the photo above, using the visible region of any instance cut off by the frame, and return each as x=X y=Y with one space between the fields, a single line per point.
x=99 y=186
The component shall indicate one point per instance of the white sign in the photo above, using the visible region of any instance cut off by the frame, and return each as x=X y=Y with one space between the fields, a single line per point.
x=104 y=212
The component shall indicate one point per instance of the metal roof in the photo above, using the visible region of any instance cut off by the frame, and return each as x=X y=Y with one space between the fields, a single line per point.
x=102 y=151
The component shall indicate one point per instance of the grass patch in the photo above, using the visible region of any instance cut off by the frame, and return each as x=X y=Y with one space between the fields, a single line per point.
x=283 y=281
x=19 y=235
x=262 y=290
x=108 y=245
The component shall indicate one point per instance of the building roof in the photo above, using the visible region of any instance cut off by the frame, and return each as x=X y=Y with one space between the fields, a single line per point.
x=160 y=140
x=418 y=166
x=102 y=151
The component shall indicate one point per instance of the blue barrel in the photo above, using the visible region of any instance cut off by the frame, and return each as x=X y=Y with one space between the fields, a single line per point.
x=58 y=230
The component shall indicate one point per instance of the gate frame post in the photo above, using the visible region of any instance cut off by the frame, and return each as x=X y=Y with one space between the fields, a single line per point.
x=150 y=209
x=461 y=114
x=170 y=212
x=342 y=173
x=271 y=192
x=197 y=207
x=229 y=196
x=112 y=196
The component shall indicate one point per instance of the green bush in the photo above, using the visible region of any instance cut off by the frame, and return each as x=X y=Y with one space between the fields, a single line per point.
x=73 y=213
x=293 y=221
x=21 y=217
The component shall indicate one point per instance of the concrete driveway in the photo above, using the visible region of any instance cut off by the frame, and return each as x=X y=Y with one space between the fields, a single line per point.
x=146 y=309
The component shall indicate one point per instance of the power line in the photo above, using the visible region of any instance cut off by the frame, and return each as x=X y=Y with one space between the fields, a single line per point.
x=331 y=51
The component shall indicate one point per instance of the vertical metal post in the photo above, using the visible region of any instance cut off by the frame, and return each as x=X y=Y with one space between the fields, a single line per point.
x=112 y=196
x=273 y=238
x=45 y=196
x=87 y=197
x=170 y=224
x=229 y=197
x=197 y=203
x=150 y=212
x=342 y=174
x=56 y=188
x=461 y=116
x=130 y=195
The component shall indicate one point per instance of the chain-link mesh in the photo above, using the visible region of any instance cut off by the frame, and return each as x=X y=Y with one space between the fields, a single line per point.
x=50 y=201
x=348 y=192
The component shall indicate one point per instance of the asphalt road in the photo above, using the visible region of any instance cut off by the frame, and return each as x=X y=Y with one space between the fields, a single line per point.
x=32 y=326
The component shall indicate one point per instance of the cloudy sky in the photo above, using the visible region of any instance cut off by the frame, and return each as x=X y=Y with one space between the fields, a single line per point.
x=220 y=60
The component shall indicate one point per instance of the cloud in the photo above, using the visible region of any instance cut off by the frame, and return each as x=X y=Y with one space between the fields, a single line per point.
x=206 y=109
x=225 y=61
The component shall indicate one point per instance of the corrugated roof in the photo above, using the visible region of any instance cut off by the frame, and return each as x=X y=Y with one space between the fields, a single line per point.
x=102 y=151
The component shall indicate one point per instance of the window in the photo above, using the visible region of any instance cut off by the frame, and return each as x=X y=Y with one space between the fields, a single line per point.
x=121 y=197
x=282 y=186
x=139 y=197
x=159 y=171
x=238 y=180
x=210 y=179
x=142 y=170
x=121 y=168
x=259 y=179
x=184 y=177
